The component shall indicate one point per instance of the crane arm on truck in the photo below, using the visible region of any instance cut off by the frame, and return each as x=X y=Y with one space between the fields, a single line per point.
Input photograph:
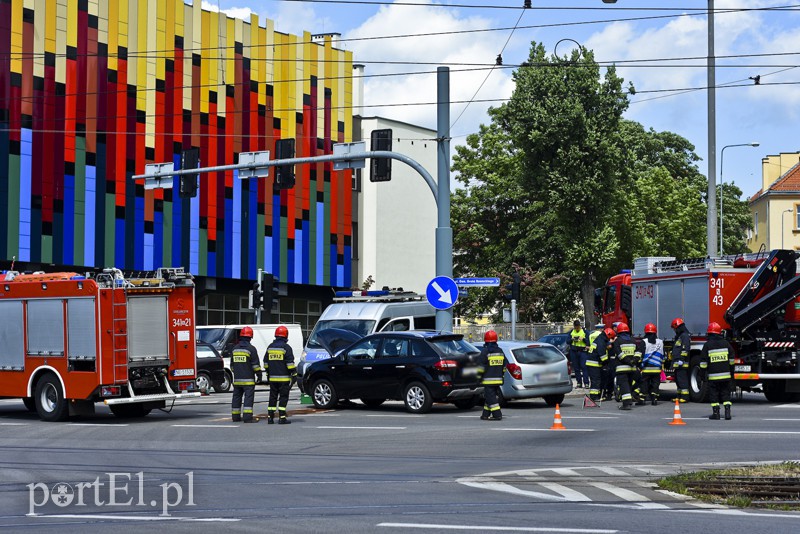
x=772 y=286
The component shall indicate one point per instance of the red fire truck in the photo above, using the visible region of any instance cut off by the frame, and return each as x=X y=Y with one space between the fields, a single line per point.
x=68 y=341
x=754 y=297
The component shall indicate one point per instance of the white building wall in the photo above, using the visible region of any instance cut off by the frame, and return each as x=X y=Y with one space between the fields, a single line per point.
x=397 y=219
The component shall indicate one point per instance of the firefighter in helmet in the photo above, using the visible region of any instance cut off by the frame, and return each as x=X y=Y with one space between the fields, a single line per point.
x=652 y=364
x=245 y=367
x=492 y=365
x=599 y=340
x=628 y=353
x=281 y=373
x=716 y=362
x=680 y=358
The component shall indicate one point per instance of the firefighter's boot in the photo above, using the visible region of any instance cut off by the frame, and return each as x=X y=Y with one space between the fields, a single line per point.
x=485 y=415
x=640 y=402
x=270 y=420
x=625 y=406
x=727 y=413
x=497 y=415
x=284 y=421
x=714 y=415
x=654 y=402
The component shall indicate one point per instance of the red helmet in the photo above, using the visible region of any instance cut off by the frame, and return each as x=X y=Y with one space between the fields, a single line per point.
x=609 y=332
x=490 y=336
x=714 y=328
x=246 y=332
x=282 y=331
x=676 y=322
x=622 y=327
x=649 y=328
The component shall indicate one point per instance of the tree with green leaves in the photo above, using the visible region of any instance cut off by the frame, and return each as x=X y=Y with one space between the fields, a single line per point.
x=560 y=188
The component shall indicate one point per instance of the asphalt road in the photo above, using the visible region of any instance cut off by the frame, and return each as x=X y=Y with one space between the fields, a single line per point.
x=383 y=470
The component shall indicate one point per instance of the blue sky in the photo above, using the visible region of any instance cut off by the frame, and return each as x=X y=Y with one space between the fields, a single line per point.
x=767 y=113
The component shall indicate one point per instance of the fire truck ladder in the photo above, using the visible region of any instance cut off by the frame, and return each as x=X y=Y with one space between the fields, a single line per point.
x=119 y=305
x=750 y=306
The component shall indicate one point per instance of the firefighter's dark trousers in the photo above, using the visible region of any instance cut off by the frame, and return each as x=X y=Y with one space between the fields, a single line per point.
x=682 y=382
x=278 y=398
x=607 y=380
x=596 y=377
x=575 y=360
x=624 y=385
x=719 y=391
x=651 y=382
x=237 y=409
x=491 y=407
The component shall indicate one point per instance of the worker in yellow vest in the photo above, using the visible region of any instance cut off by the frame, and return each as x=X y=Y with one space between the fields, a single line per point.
x=578 y=342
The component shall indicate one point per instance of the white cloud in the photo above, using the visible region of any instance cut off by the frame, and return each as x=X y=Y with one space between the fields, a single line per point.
x=235 y=12
x=469 y=48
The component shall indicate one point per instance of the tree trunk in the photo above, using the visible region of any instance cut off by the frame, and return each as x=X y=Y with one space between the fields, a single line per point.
x=587 y=295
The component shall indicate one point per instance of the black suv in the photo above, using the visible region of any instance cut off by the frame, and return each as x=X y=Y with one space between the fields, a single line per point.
x=417 y=367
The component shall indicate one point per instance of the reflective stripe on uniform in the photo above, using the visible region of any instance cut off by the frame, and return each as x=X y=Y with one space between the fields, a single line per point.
x=248 y=383
x=493 y=382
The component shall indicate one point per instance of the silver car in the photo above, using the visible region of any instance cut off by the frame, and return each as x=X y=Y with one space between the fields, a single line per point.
x=534 y=370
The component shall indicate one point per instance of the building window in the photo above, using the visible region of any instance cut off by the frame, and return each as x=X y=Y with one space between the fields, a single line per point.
x=356 y=181
x=796 y=217
x=755 y=224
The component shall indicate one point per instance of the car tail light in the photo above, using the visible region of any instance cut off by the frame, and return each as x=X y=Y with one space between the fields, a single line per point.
x=186 y=386
x=514 y=370
x=444 y=365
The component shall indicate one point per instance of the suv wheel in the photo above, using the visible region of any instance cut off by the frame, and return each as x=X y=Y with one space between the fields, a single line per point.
x=324 y=394
x=417 y=398
x=225 y=385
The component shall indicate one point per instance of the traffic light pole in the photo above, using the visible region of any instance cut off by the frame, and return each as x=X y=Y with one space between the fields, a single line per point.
x=513 y=319
x=444 y=233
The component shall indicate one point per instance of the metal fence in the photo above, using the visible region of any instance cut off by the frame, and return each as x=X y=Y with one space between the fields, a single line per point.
x=525 y=331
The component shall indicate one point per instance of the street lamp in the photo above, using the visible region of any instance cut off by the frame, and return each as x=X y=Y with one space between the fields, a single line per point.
x=782 y=219
x=721 y=166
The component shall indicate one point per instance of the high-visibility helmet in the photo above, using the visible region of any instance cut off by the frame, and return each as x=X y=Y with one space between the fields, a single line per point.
x=676 y=322
x=649 y=328
x=490 y=336
x=622 y=327
x=246 y=332
x=609 y=332
x=282 y=331
x=714 y=328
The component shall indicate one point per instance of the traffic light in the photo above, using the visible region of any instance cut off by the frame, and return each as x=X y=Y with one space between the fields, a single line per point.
x=256 y=297
x=514 y=288
x=190 y=159
x=284 y=174
x=380 y=169
x=269 y=289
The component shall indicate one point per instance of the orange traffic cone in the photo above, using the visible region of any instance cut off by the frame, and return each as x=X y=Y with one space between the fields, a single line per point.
x=676 y=417
x=557 y=420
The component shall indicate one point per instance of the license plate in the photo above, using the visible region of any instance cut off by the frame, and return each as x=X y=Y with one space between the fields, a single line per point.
x=548 y=377
x=469 y=371
x=183 y=372
x=741 y=369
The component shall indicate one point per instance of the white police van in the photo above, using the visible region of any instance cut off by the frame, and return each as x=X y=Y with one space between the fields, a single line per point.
x=366 y=312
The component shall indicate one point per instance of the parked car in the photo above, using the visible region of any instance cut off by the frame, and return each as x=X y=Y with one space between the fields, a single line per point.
x=417 y=367
x=559 y=341
x=211 y=369
x=535 y=370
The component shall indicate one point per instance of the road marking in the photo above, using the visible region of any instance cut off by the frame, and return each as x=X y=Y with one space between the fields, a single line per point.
x=729 y=511
x=497 y=528
x=569 y=494
x=547 y=430
x=622 y=493
x=612 y=471
x=781 y=419
x=321 y=415
x=98 y=424
x=592 y=417
x=207 y=426
x=507 y=488
x=565 y=472
x=134 y=517
x=787 y=406
x=765 y=432
x=396 y=415
x=14 y=424
x=363 y=427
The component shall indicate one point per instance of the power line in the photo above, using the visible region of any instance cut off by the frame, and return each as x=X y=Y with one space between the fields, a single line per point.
x=162 y=54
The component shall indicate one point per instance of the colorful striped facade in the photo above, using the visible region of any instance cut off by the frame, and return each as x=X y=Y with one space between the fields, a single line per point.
x=91 y=91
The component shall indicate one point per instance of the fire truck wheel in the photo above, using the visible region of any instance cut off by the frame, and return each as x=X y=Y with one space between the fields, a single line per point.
x=50 y=402
x=29 y=403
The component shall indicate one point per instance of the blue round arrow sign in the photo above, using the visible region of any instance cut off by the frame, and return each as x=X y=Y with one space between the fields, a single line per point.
x=442 y=292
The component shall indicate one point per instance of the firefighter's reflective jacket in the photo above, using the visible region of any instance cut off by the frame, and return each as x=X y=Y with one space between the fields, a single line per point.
x=680 y=350
x=492 y=363
x=628 y=352
x=598 y=349
x=244 y=363
x=717 y=358
x=279 y=361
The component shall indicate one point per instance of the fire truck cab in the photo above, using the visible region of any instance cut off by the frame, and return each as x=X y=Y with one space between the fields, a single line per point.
x=68 y=341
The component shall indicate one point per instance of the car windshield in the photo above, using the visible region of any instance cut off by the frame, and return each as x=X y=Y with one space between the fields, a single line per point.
x=212 y=336
x=537 y=355
x=358 y=326
x=454 y=346
x=553 y=339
